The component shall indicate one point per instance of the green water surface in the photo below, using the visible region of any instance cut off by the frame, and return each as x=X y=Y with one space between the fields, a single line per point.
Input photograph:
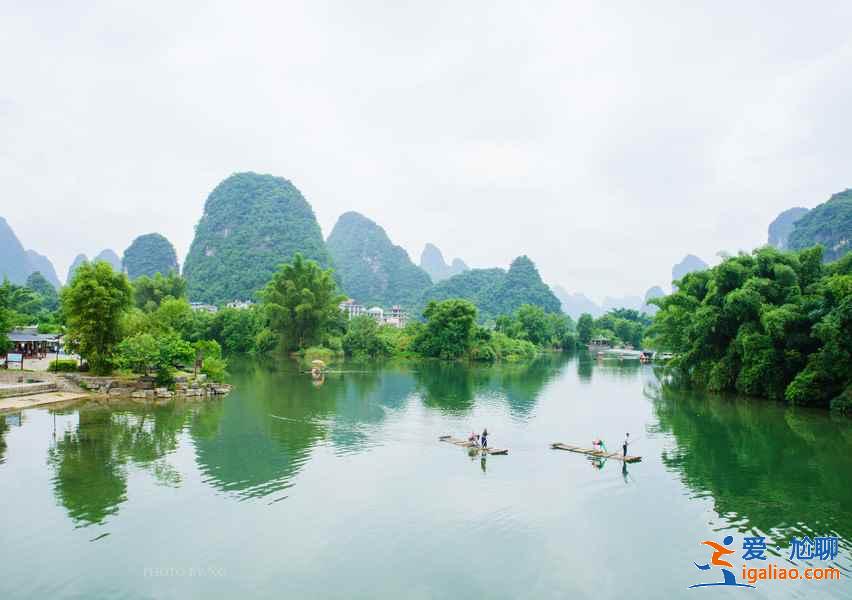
x=286 y=489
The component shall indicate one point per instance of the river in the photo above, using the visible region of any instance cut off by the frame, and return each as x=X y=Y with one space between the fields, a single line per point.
x=289 y=489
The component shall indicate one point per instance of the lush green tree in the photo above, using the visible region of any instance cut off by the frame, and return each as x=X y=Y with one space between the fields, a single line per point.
x=774 y=324
x=138 y=353
x=149 y=292
x=301 y=303
x=93 y=304
x=449 y=330
x=363 y=339
x=534 y=324
x=237 y=330
x=6 y=318
x=144 y=352
x=585 y=327
x=209 y=354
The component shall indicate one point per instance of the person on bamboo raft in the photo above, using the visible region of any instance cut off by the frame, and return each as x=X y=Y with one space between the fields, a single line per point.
x=483 y=439
x=473 y=438
x=598 y=444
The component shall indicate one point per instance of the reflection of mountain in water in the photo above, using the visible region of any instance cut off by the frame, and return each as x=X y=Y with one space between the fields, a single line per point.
x=90 y=461
x=777 y=468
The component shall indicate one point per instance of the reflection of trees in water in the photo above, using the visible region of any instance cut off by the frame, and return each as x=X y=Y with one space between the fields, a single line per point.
x=263 y=434
x=4 y=428
x=614 y=369
x=448 y=386
x=453 y=387
x=90 y=461
x=776 y=467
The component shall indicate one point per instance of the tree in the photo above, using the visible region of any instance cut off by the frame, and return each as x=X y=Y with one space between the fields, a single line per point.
x=143 y=352
x=149 y=292
x=773 y=324
x=534 y=324
x=363 y=338
x=302 y=302
x=449 y=329
x=236 y=330
x=585 y=324
x=93 y=304
x=5 y=315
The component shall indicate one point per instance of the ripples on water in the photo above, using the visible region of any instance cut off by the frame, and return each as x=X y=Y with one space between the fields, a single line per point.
x=295 y=488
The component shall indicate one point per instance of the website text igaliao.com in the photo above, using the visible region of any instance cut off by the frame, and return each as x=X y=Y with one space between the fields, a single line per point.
x=774 y=572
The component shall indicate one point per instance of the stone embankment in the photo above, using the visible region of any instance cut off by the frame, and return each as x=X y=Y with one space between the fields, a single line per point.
x=144 y=389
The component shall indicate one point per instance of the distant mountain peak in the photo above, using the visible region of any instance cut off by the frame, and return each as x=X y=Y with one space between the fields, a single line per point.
x=250 y=225
x=371 y=268
x=149 y=254
x=781 y=228
x=432 y=261
x=828 y=224
x=689 y=264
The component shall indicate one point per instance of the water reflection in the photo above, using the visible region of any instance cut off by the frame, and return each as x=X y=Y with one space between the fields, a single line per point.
x=4 y=427
x=453 y=387
x=90 y=461
x=266 y=430
x=767 y=467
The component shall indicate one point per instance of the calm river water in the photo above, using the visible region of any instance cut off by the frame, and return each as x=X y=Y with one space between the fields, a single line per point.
x=288 y=490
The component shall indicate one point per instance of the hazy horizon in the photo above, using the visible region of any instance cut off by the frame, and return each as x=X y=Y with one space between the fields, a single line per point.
x=604 y=143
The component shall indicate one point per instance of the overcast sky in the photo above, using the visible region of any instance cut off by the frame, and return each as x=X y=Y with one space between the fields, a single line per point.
x=605 y=142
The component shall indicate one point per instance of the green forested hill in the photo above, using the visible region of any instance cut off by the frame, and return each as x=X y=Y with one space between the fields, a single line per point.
x=498 y=292
x=372 y=270
x=251 y=224
x=149 y=254
x=829 y=224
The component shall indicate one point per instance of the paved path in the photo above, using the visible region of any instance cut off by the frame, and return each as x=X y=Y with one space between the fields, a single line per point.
x=22 y=402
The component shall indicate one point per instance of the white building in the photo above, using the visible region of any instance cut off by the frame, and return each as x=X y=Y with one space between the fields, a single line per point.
x=351 y=308
x=377 y=313
x=397 y=317
x=240 y=304
x=203 y=307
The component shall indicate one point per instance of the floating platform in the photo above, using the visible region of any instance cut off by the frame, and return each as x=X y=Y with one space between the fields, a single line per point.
x=596 y=453
x=468 y=444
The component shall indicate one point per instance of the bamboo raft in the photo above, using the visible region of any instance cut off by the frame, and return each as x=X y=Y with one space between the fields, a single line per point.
x=597 y=453
x=468 y=444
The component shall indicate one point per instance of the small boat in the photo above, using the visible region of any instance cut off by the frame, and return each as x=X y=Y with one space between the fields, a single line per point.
x=622 y=354
x=596 y=453
x=468 y=444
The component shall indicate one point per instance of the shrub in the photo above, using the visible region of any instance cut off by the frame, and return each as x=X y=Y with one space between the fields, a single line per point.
x=63 y=366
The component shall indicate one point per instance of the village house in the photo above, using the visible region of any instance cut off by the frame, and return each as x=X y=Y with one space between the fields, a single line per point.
x=28 y=342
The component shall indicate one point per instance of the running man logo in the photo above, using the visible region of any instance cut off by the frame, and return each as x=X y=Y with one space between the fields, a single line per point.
x=717 y=561
x=818 y=548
